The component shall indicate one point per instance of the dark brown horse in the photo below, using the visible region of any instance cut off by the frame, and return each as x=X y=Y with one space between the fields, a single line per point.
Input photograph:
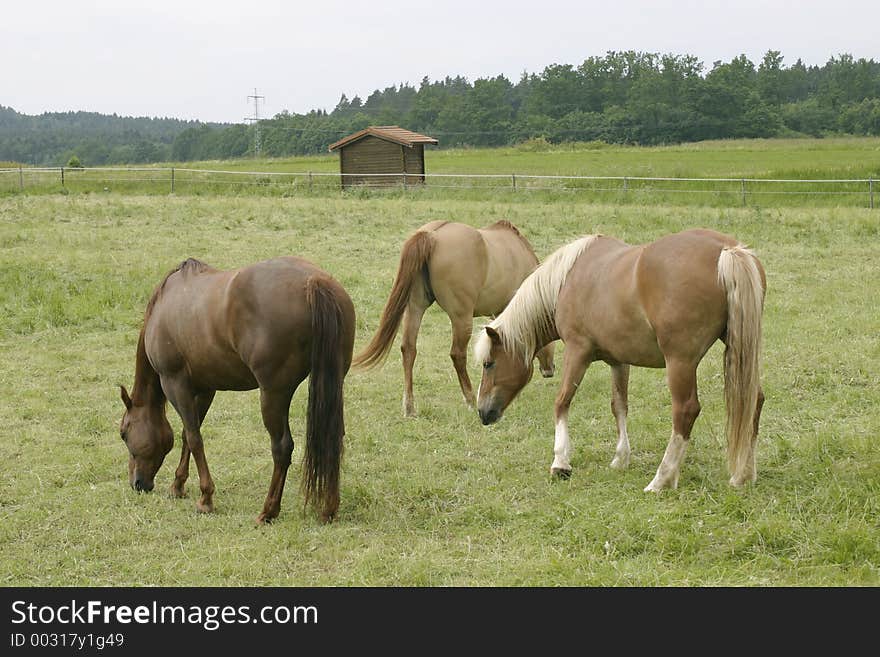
x=265 y=326
x=657 y=305
x=470 y=273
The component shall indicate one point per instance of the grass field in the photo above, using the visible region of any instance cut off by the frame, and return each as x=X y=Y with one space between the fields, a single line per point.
x=515 y=174
x=436 y=500
x=749 y=158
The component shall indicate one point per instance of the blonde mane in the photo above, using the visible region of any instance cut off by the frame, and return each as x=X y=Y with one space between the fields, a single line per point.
x=529 y=315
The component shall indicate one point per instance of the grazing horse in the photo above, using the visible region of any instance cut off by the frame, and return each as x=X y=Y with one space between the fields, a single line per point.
x=265 y=326
x=469 y=273
x=656 y=305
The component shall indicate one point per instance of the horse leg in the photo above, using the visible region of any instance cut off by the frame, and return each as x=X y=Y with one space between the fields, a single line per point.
x=619 y=407
x=182 y=472
x=412 y=321
x=545 y=361
x=275 y=407
x=184 y=402
x=573 y=370
x=461 y=335
x=751 y=468
x=203 y=402
x=682 y=378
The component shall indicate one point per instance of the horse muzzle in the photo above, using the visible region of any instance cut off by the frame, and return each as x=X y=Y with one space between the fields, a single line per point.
x=489 y=416
x=142 y=486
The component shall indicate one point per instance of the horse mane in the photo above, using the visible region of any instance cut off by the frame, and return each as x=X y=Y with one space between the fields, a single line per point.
x=529 y=315
x=190 y=265
x=504 y=224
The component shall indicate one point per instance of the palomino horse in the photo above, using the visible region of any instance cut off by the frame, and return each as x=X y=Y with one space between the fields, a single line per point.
x=265 y=326
x=470 y=273
x=657 y=305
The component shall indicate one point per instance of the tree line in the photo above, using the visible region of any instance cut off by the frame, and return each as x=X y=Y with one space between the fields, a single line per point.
x=53 y=138
x=621 y=97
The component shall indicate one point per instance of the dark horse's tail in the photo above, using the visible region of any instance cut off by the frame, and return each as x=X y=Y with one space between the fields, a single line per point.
x=325 y=424
x=411 y=272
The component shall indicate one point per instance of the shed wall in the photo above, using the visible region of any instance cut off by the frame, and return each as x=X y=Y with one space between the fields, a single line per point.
x=372 y=155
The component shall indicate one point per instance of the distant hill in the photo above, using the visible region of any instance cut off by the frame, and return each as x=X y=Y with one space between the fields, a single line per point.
x=50 y=139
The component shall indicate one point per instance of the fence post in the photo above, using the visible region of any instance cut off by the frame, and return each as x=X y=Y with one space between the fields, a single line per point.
x=62 y=176
x=20 y=180
x=404 y=180
x=742 y=184
x=172 y=180
x=871 y=191
x=310 y=181
x=625 y=184
x=513 y=178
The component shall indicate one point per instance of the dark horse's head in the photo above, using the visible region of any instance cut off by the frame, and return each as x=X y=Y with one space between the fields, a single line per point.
x=148 y=435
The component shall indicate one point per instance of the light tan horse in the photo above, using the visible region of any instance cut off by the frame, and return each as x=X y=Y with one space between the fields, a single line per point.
x=657 y=305
x=469 y=273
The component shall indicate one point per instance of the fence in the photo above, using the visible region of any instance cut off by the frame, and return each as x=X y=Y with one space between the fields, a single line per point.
x=856 y=192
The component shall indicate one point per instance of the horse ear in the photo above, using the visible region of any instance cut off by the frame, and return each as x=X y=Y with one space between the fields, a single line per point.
x=493 y=336
x=125 y=398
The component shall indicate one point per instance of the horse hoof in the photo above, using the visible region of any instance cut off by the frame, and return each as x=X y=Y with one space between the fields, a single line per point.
x=178 y=492
x=658 y=487
x=264 y=519
x=547 y=374
x=619 y=463
x=561 y=473
x=201 y=507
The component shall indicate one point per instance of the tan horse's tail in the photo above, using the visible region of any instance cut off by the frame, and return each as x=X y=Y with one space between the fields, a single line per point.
x=325 y=423
x=413 y=259
x=741 y=275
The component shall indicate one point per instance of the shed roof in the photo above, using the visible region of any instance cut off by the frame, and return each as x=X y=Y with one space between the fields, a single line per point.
x=392 y=133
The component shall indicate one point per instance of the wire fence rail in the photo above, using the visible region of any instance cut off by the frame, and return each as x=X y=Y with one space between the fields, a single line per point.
x=856 y=192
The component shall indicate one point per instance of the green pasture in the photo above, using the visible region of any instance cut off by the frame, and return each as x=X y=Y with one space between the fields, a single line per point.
x=437 y=500
x=743 y=158
x=519 y=173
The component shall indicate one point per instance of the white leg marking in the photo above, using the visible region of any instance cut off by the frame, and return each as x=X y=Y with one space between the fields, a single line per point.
x=750 y=472
x=561 y=446
x=621 y=456
x=667 y=473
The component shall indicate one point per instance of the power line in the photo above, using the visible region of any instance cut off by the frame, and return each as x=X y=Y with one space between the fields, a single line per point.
x=255 y=119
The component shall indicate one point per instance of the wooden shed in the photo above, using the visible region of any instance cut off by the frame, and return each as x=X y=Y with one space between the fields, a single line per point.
x=380 y=149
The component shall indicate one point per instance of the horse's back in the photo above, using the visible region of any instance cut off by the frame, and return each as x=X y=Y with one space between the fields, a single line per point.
x=510 y=260
x=477 y=270
x=680 y=291
x=269 y=313
x=236 y=329
x=456 y=266
x=643 y=303
x=599 y=305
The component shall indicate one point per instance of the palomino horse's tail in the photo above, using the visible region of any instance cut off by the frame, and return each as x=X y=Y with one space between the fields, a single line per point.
x=413 y=258
x=740 y=274
x=325 y=424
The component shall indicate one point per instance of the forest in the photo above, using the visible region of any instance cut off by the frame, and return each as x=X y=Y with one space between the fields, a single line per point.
x=621 y=98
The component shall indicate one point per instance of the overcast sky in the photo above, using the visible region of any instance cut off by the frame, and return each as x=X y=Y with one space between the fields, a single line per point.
x=201 y=60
